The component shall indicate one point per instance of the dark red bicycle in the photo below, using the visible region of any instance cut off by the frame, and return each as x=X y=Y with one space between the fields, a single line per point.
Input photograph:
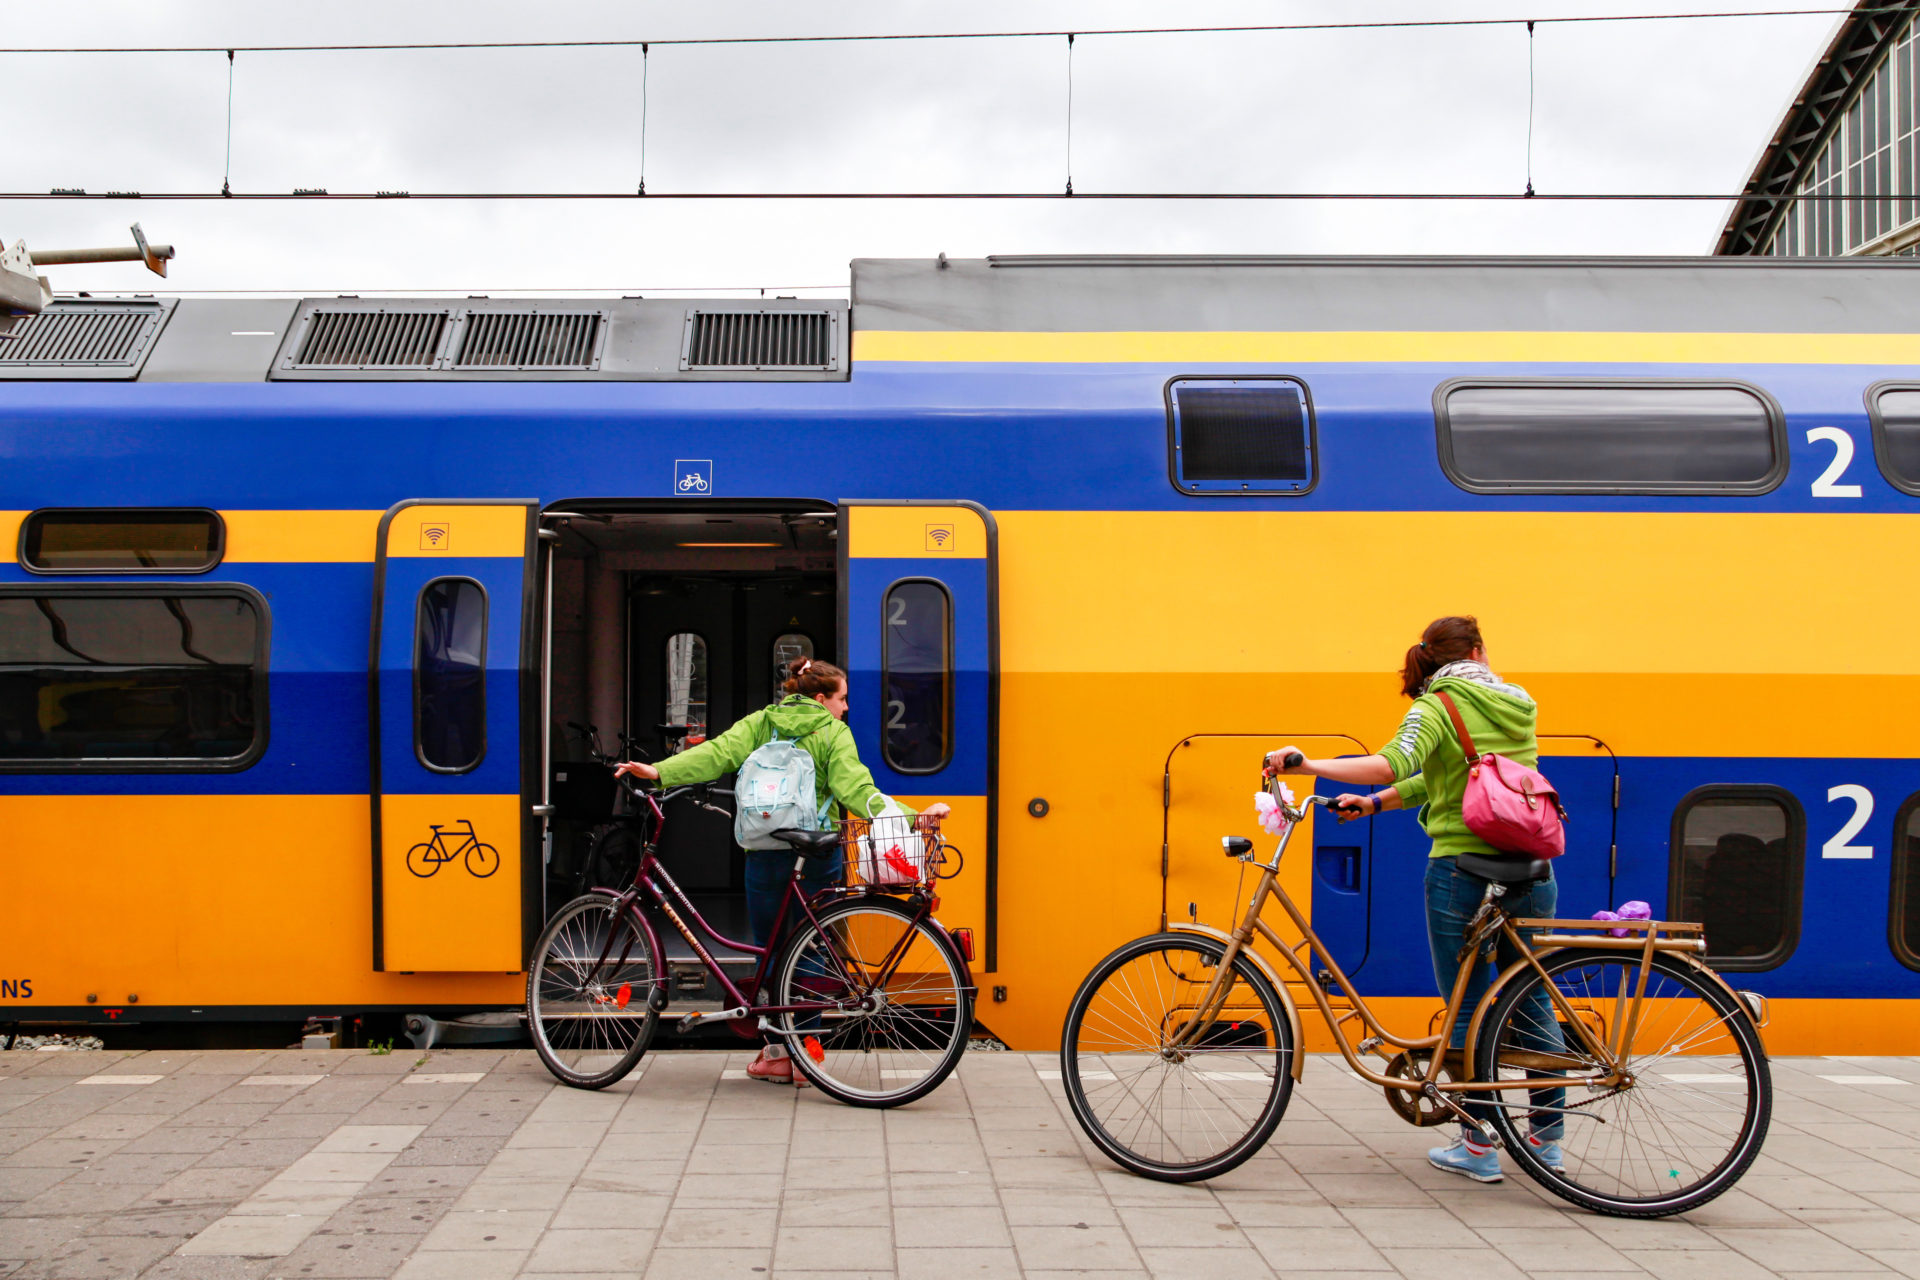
x=868 y=991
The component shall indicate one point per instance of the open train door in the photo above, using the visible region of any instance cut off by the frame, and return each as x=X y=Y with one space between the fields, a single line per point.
x=456 y=870
x=919 y=632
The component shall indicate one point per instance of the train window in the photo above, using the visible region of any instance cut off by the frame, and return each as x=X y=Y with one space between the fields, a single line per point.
x=122 y=540
x=130 y=679
x=1735 y=865
x=1583 y=436
x=1896 y=434
x=686 y=711
x=788 y=647
x=1247 y=436
x=450 y=675
x=916 y=681
x=1904 y=926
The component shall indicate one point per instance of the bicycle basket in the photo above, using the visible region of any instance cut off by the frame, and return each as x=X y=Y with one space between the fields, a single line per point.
x=888 y=853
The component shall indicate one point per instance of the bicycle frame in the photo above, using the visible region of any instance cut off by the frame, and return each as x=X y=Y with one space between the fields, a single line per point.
x=672 y=900
x=1487 y=926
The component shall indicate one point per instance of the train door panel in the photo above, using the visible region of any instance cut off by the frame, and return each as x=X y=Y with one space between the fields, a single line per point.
x=1582 y=769
x=454 y=841
x=1208 y=790
x=918 y=586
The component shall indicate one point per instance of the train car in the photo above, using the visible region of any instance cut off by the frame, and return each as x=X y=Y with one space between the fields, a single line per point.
x=307 y=591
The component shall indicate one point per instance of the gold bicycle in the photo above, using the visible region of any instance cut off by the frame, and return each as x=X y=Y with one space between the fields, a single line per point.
x=1627 y=1054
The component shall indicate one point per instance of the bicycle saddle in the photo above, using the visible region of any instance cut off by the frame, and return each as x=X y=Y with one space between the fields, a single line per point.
x=810 y=844
x=1505 y=870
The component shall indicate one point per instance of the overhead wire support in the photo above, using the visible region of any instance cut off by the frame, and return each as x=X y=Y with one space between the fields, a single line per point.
x=226 y=177
x=1069 y=113
x=1529 y=110
x=643 y=120
x=864 y=38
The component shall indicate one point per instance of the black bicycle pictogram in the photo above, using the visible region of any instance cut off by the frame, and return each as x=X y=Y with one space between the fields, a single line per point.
x=425 y=859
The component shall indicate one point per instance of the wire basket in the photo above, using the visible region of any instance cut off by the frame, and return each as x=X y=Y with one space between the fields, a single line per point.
x=890 y=853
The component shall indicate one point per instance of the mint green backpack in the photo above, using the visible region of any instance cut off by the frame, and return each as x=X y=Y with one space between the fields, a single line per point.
x=775 y=792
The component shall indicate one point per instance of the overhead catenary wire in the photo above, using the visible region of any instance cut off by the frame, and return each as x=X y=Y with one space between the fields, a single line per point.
x=1530 y=97
x=877 y=37
x=1069 y=113
x=643 y=121
x=1575 y=197
x=226 y=177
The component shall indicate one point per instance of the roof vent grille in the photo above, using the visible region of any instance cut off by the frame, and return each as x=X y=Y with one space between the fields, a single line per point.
x=371 y=340
x=527 y=340
x=760 y=339
x=79 y=334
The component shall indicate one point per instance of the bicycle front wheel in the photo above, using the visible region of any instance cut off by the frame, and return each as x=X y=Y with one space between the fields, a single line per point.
x=1680 y=1127
x=901 y=1003
x=590 y=1018
x=1161 y=1096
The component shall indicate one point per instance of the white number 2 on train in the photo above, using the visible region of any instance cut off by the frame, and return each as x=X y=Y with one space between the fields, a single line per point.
x=1862 y=799
x=1828 y=486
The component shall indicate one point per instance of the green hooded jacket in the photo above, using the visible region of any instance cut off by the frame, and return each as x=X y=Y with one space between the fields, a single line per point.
x=1429 y=767
x=837 y=771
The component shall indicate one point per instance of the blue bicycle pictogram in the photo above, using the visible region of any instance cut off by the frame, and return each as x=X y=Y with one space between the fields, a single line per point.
x=693 y=476
x=482 y=859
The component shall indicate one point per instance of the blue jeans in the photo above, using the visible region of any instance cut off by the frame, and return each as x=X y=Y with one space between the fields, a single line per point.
x=767 y=872
x=1453 y=898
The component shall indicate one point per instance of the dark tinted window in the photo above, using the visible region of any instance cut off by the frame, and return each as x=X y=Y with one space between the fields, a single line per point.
x=686 y=691
x=1896 y=432
x=1905 y=930
x=1240 y=435
x=1591 y=437
x=917 y=676
x=108 y=678
x=450 y=675
x=1737 y=855
x=127 y=541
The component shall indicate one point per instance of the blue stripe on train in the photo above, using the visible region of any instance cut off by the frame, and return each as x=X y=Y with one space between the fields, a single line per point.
x=1061 y=437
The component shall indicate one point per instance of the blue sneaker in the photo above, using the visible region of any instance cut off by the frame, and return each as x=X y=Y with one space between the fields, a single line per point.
x=1549 y=1153
x=1481 y=1166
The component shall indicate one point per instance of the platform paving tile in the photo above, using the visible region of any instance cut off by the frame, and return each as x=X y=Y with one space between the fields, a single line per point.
x=284 y=1165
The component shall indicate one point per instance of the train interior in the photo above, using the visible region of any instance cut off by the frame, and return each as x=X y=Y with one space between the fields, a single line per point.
x=668 y=626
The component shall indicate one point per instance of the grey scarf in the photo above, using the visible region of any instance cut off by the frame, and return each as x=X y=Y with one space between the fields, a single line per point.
x=1479 y=673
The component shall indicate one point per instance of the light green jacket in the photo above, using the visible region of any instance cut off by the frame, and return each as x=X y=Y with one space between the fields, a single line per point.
x=1429 y=767
x=837 y=772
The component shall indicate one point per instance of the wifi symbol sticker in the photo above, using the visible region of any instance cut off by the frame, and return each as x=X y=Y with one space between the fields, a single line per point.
x=436 y=537
x=939 y=537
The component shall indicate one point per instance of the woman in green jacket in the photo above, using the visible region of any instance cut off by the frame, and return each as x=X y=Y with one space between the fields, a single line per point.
x=813 y=714
x=1423 y=765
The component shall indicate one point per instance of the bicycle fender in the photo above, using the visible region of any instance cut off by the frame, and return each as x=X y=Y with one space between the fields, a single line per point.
x=1224 y=938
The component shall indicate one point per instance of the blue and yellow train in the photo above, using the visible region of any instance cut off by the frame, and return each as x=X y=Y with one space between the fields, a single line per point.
x=306 y=591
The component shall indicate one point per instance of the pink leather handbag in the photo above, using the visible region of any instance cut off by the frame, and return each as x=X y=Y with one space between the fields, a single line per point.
x=1513 y=808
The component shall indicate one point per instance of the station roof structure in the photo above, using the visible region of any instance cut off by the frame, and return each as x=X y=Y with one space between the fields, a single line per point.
x=1804 y=157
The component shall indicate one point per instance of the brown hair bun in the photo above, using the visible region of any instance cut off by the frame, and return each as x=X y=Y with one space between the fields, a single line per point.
x=1445 y=640
x=810 y=676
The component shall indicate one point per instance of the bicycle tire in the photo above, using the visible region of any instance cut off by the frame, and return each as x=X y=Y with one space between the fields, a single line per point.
x=1251 y=1093
x=1613 y=1168
x=567 y=1003
x=852 y=1061
x=432 y=864
x=475 y=848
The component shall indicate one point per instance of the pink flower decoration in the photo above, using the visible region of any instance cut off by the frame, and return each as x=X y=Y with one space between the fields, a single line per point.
x=1272 y=821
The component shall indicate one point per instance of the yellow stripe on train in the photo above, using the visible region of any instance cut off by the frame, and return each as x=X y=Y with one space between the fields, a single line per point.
x=1314 y=347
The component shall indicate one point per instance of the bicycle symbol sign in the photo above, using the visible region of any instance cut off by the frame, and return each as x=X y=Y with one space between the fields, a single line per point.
x=426 y=858
x=693 y=476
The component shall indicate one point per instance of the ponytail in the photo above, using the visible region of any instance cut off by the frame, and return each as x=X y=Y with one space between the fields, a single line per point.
x=810 y=676
x=1445 y=640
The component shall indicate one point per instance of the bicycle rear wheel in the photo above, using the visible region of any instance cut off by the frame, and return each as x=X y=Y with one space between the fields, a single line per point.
x=1176 y=1112
x=905 y=1005
x=590 y=1020
x=1695 y=1107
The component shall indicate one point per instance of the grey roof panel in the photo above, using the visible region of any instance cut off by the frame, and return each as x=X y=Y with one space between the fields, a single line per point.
x=219 y=340
x=1216 y=294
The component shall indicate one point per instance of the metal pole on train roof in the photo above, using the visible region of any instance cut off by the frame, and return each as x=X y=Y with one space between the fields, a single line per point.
x=25 y=292
x=154 y=255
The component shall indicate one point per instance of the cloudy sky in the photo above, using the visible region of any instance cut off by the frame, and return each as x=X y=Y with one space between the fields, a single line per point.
x=1643 y=106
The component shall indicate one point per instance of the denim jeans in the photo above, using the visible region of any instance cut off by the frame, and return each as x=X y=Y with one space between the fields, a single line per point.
x=1453 y=898
x=767 y=872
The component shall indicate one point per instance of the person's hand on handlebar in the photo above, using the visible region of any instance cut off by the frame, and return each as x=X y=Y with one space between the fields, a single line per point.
x=638 y=769
x=930 y=817
x=1348 y=806
x=1286 y=760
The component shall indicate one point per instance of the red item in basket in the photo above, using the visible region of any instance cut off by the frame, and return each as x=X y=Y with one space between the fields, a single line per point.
x=896 y=858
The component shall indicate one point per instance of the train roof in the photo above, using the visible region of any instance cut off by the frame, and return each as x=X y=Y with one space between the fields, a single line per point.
x=336 y=339
x=1040 y=294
